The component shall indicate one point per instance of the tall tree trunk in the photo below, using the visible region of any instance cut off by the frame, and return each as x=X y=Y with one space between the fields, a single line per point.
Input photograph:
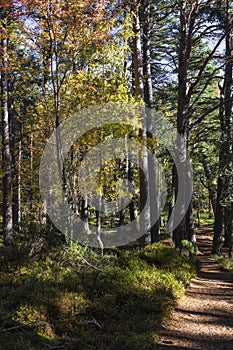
x=19 y=215
x=143 y=157
x=219 y=208
x=98 y=226
x=31 y=195
x=6 y=154
x=84 y=213
x=148 y=98
x=219 y=212
x=133 y=205
x=228 y=217
x=185 y=230
x=183 y=114
x=16 y=149
x=224 y=214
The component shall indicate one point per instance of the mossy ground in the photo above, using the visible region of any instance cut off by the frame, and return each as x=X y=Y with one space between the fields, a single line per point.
x=79 y=299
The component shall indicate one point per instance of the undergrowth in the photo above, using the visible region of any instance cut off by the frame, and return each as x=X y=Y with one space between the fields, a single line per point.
x=78 y=299
x=225 y=263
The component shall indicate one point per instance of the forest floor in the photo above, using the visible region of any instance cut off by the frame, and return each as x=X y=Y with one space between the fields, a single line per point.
x=203 y=318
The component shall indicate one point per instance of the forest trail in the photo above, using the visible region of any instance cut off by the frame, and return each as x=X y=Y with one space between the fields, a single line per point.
x=203 y=319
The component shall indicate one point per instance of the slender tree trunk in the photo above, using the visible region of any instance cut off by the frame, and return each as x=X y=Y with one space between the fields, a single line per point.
x=16 y=149
x=6 y=154
x=130 y=175
x=31 y=178
x=145 y=222
x=218 y=222
x=84 y=213
x=19 y=182
x=148 y=98
x=137 y=56
x=133 y=205
x=122 y=214
x=224 y=214
x=228 y=217
x=98 y=226
x=185 y=229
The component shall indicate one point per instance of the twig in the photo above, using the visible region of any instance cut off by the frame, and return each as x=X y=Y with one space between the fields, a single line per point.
x=90 y=265
x=21 y=326
x=93 y=322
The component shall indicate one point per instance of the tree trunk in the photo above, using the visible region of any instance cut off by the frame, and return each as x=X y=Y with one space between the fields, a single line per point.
x=148 y=98
x=185 y=229
x=143 y=157
x=31 y=195
x=218 y=222
x=6 y=153
x=16 y=150
x=224 y=214
x=84 y=213
x=133 y=205
x=228 y=217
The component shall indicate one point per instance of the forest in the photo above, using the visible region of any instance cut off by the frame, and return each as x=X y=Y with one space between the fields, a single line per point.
x=116 y=158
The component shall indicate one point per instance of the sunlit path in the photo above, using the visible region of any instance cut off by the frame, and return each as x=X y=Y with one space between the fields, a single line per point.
x=204 y=317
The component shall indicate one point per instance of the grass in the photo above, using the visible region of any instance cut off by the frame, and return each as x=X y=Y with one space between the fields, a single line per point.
x=78 y=298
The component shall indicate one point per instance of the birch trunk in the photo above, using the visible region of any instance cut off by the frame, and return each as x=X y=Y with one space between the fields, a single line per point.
x=6 y=154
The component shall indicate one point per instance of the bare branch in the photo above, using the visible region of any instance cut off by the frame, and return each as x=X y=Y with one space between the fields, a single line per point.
x=202 y=68
x=204 y=115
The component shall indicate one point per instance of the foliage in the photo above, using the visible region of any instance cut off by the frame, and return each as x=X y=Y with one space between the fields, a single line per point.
x=225 y=264
x=90 y=301
x=171 y=260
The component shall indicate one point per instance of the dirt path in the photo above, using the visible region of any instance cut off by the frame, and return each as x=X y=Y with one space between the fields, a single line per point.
x=204 y=317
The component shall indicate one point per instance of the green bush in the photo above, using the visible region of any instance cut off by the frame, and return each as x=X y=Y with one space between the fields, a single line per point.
x=169 y=259
x=225 y=263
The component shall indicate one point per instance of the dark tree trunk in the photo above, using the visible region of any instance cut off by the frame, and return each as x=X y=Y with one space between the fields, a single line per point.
x=224 y=214
x=133 y=205
x=228 y=215
x=31 y=194
x=15 y=132
x=219 y=208
x=218 y=222
x=122 y=214
x=6 y=152
x=148 y=98
x=185 y=230
x=143 y=157
x=84 y=212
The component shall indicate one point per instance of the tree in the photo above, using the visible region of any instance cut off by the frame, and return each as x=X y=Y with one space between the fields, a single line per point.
x=224 y=213
x=145 y=219
x=190 y=89
x=149 y=100
x=6 y=152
